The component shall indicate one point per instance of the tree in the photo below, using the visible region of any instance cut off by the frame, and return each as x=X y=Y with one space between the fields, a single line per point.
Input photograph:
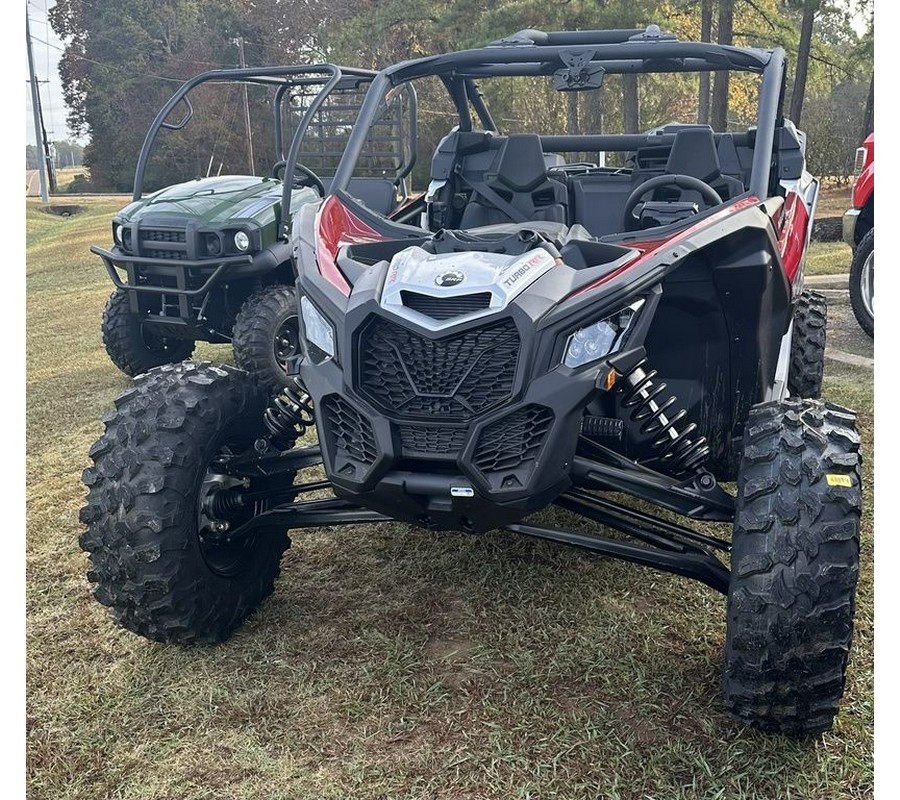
x=810 y=9
x=719 y=116
x=706 y=16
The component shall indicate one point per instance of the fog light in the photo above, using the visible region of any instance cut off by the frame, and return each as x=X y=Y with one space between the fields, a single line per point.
x=241 y=241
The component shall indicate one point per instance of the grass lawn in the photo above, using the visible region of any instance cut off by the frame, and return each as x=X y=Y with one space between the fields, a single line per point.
x=390 y=662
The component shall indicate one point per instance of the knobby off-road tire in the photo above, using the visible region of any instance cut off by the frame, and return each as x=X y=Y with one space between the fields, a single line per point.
x=808 y=346
x=795 y=562
x=130 y=346
x=266 y=333
x=862 y=283
x=143 y=513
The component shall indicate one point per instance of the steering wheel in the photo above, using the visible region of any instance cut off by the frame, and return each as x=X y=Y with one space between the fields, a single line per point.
x=710 y=195
x=308 y=176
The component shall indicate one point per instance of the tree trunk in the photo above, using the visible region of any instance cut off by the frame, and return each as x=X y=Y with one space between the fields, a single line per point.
x=806 y=28
x=869 y=116
x=631 y=104
x=720 y=85
x=706 y=14
x=572 y=114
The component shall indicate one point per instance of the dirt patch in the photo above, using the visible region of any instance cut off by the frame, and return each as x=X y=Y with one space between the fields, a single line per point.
x=828 y=229
x=59 y=210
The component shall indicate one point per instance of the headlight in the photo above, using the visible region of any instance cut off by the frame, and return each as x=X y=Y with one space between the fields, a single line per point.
x=600 y=339
x=118 y=233
x=317 y=331
x=241 y=241
x=859 y=162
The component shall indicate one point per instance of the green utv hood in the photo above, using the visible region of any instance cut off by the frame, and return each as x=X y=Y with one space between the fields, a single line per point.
x=219 y=201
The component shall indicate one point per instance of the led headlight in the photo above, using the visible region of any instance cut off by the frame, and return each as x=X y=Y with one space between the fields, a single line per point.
x=242 y=241
x=600 y=339
x=318 y=331
x=118 y=233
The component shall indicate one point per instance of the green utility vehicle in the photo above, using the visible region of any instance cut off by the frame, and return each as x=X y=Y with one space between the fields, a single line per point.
x=210 y=259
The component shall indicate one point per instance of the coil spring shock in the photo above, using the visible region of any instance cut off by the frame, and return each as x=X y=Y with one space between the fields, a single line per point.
x=290 y=415
x=680 y=451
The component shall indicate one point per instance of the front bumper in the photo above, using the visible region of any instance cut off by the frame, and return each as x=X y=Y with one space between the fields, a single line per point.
x=476 y=471
x=850 y=219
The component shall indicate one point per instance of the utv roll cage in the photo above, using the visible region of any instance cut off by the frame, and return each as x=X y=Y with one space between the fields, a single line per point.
x=569 y=56
x=284 y=78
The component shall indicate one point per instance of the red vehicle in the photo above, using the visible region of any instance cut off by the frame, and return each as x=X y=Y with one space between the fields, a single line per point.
x=859 y=233
x=534 y=330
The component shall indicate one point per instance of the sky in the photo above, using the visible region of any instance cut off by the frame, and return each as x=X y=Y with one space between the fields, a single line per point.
x=46 y=63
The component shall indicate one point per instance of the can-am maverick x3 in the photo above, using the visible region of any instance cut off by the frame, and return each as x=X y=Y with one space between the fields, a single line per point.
x=507 y=345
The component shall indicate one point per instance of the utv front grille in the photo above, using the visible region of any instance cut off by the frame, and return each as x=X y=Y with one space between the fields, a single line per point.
x=454 y=377
x=431 y=441
x=350 y=433
x=168 y=243
x=507 y=449
x=442 y=308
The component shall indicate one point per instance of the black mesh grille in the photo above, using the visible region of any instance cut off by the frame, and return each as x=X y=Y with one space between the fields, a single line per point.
x=172 y=255
x=453 y=377
x=350 y=433
x=508 y=443
x=163 y=236
x=446 y=307
x=431 y=441
x=159 y=235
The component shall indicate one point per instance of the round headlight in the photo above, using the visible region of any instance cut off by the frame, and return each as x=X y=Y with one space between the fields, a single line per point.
x=241 y=241
x=118 y=232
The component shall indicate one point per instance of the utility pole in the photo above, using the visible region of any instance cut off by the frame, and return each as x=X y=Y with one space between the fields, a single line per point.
x=36 y=108
x=240 y=43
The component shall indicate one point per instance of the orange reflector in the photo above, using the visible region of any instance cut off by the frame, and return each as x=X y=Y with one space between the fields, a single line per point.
x=610 y=379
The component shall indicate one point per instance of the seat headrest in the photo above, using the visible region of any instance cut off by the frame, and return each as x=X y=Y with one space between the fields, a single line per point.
x=521 y=166
x=694 y=153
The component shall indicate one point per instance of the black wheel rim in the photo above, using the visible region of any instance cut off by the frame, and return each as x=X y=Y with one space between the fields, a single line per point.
x=223 y=556
x=287 y=341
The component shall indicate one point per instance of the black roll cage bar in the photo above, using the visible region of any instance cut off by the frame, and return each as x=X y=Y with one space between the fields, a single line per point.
x=537 y=53
x=284 y=77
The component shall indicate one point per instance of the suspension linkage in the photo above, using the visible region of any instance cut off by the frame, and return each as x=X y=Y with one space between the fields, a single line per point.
x=256 y=464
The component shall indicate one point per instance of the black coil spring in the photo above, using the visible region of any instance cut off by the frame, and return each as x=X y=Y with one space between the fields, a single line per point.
x=680 y=451
x=290 y=415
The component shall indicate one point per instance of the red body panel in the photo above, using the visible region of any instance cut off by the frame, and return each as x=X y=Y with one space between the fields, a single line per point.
x=792 y=234
x=865 y=182
x=336 y=227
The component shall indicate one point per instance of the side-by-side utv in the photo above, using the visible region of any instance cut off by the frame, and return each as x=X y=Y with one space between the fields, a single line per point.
x=606 y=323
x=209 y=259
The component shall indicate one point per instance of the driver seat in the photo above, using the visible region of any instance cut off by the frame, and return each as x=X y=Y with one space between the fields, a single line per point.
x=520 y=183
x=694 y=153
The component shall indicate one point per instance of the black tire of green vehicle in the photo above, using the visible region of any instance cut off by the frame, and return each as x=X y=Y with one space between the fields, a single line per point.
x=863 y=250
x=126 y=342
x=142 y=511
x=253 y=336
x=807 y=365
x=795 y=563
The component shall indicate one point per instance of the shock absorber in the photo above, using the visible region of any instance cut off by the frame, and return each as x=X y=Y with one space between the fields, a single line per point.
x=680 y=450
x=290 y=415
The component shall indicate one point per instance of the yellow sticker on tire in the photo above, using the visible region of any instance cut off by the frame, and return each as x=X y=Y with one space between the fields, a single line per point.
x=838 y=480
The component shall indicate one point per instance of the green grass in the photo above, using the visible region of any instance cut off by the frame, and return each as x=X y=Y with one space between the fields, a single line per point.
x=828 y=258
x=390 y=662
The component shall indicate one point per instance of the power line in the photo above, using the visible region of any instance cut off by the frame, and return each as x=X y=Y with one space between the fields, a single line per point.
x=104 y=64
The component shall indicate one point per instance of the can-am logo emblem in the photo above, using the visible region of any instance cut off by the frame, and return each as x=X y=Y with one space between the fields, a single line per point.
x=451 y=278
